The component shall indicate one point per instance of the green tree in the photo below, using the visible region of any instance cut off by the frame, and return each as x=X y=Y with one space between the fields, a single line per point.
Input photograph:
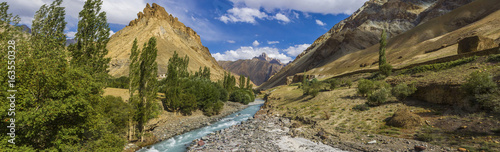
x=9 y=24
x=147 y=83
x=91 y=37
x=133 y=82
x=242 y=82
x=383 y=44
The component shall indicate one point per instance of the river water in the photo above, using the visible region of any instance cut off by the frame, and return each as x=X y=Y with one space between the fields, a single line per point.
x=180 y=142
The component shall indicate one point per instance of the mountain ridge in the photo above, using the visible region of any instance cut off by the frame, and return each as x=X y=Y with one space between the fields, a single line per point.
x=362 y=30
x=172 y=35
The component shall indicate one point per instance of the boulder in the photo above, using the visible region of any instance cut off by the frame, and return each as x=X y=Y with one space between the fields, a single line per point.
x=475 y=43
x=201 y=143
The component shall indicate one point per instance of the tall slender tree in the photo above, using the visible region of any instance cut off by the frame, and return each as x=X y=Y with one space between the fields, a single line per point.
x=147 y=82
x=92 y=36
x=383 y=44
x=133 y=77
x=242 y=82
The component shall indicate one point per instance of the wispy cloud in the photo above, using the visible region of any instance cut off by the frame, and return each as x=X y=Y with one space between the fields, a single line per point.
x=231 y=41
x=273 y=42
x=309 y=6
x=247 y=15
x=320 y=23
x=281 y=17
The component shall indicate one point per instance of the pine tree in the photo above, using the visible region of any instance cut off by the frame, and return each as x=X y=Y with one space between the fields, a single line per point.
x=147 y=82
x=92 y=36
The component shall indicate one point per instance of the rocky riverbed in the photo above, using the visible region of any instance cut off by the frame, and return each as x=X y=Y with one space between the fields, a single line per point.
x=271 y=134
x=268 y=132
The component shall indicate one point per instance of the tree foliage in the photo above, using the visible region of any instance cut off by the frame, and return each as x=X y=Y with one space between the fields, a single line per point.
x=58 y=107
x=91 y=37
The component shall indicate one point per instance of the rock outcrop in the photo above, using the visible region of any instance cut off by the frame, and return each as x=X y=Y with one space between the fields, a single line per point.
x=171 y=35
x=259 y=69
x=475 y=43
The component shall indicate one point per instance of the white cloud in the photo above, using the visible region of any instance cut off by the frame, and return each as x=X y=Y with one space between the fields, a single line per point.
x=255 y=43
x=231 y=41
x=117 y=11
x=248 y=52
x=281 y=17
x=247 y=15
x=310 y=6
x=297 y=49
x=111 y=33
x=273 y=42
x=320 y=23
x=70 y=35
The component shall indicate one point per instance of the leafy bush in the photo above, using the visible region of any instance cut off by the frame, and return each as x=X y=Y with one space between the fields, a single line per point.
x=361 y=107
x=385 y=69
x=494 y=58
x=314 y=92
x=365 y=87
x=402 y=90
x=311 y=87
x=348 y=83
x=438 y=66
x=483 y=89
x=241 y=96
x=121 y=82
x=334 y=83
x=479 y=82
x=378 y=97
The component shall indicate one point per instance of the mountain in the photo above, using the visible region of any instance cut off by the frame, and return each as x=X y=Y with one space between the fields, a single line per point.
x=259 y=68
x=352 y=44
x=171 y=36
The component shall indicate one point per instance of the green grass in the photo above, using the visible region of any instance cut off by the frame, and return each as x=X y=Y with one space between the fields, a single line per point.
x=494 y=58
x=438 y=66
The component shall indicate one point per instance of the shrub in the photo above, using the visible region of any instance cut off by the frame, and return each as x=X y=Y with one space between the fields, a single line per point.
x=479 y=83
x=348 y=83
x=121 y=82
x=385 y=69
x=405 y=119
x=314 y=92
x=483 y=89
x=438 y=66
x=365 y=87
x=334 y=83
x=494 y=58
x=378 y=97
x=490 y=101
x=361 y=107
x=241 y=96
x=402 y=90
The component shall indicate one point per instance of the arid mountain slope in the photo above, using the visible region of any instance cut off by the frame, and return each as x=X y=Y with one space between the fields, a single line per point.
x=433 y=39
x=259 y=69
x=171 y=36
x=362 y=30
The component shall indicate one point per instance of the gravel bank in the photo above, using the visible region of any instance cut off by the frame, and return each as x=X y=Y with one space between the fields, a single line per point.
x=271 y=134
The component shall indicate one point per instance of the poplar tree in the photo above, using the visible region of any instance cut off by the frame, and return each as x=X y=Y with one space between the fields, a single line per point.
x=147 y=83
x=133 y=77
x=383 y=44
x=242 y=82
x=384 y=67
x=92 y=36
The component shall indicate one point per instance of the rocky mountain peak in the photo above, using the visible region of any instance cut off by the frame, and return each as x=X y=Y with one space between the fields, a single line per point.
x=264 y=57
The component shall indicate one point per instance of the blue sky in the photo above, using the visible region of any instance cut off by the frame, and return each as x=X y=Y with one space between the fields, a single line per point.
x=231 y=29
